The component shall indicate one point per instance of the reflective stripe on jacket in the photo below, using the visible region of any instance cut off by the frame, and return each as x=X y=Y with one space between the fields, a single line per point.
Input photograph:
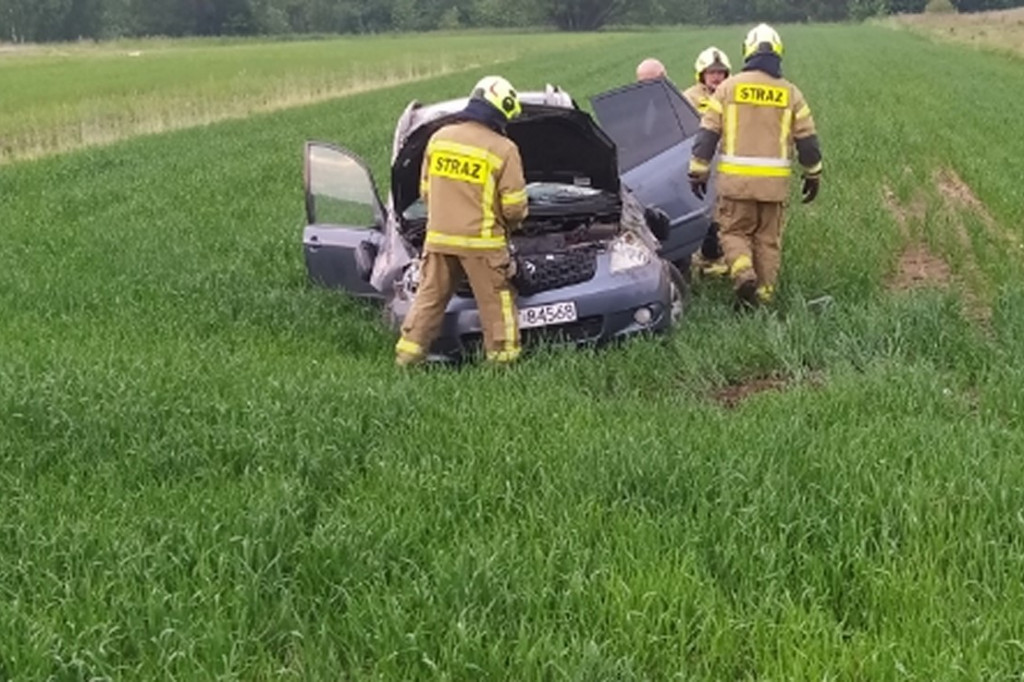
x=472 y=181
x=759 y=118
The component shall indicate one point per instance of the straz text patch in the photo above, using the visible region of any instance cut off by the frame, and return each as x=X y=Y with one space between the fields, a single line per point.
x=459 y=167
x=762 y=95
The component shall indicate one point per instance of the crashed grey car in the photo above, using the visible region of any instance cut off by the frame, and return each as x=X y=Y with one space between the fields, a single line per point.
x=595 y=260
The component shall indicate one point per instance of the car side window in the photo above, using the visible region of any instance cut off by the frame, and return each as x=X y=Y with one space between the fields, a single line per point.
x=340 y=189
x=644 y=119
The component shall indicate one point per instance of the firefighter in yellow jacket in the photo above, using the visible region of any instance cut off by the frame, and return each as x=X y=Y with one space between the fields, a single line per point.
x=759 y=117
x=710 y=69
x=472 y=181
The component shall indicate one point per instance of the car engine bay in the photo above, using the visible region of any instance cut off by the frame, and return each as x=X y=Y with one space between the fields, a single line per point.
x=557 y=244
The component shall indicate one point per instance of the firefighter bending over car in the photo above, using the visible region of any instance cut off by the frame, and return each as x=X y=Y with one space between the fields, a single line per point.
x=758 y=116
x=472 y=182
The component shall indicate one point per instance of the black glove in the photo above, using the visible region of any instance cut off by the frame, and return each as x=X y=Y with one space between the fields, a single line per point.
x=810 y=188
x=698 y=185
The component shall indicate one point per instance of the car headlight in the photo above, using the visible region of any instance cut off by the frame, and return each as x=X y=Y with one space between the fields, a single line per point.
x=627 y=253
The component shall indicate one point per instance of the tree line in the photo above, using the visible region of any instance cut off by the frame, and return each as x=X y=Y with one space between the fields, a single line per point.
x=58 y=20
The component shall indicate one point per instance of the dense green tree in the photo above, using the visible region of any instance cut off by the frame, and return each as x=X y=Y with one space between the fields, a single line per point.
x=906 y=6
x=50 y=20
x=983 y=5
x=582 y=15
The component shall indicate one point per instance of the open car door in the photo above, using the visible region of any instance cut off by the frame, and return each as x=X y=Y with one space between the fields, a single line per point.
x=653 y=127
x=344 y=220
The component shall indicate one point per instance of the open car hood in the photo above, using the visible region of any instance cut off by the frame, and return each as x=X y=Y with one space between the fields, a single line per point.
x=557 y=145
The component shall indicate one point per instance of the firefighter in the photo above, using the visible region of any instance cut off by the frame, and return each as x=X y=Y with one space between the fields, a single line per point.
x=472 y=181
x=710 y=69
x=758 y=116
x=650 y=69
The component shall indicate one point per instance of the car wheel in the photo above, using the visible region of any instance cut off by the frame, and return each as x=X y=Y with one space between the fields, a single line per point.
x=679 y=294
x=685 y=269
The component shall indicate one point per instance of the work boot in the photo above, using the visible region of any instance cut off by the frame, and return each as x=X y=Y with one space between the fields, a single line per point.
x=705 y=267
x=407 y=360
x=503 y=358
x=746 y=295
x=408 y=353
x=714 y=268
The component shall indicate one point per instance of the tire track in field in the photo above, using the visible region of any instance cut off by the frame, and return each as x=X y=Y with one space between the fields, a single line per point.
x=942 y=212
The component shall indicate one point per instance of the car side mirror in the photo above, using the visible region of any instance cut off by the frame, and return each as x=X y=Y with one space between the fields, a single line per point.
x=365 y=255
x=658 y=222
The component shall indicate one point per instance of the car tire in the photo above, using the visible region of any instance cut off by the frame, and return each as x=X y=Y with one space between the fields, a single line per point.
x=685 y=269
x=679 y=294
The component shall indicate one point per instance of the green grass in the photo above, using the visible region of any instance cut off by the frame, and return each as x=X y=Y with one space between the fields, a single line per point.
x=210 y=470
x=58 y=98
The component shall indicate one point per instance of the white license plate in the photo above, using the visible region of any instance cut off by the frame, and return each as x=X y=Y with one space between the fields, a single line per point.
x=543 y=315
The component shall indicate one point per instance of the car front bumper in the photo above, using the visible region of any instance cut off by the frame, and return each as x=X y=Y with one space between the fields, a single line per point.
x=606 y=309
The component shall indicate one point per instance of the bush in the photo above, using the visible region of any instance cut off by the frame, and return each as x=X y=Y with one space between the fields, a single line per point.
x=940 y=7
x=859 y=10
x=449 y=21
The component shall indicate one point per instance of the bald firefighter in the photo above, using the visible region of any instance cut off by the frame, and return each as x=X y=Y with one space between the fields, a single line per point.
x=650 y=69
x=472 y=181
x=710 y=69
x=759 y=117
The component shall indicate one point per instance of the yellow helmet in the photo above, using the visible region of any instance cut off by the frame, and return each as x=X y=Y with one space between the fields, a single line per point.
x=711 y=57
x=760 y=36
x=500 y=94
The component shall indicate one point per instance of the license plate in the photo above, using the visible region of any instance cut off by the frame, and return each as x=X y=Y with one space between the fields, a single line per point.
x=543 y=315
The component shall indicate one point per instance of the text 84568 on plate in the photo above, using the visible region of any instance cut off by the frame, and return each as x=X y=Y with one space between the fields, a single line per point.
x=544 y=315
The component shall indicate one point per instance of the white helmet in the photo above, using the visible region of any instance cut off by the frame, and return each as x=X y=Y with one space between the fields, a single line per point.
x=762 y=38
x=500 y=94
x=709 y=58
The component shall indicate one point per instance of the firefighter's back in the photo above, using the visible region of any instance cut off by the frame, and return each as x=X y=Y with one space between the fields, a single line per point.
x=757 y=136
x=465 y=163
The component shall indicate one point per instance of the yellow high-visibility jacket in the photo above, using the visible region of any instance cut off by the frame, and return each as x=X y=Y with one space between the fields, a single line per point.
x=472 y=181
x=756 y=120
x=698 y=94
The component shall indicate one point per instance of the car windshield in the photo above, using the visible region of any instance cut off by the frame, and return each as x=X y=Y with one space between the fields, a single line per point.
x=539 y=193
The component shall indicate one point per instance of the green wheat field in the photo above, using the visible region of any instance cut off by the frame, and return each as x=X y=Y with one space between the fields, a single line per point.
x=210 y=470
